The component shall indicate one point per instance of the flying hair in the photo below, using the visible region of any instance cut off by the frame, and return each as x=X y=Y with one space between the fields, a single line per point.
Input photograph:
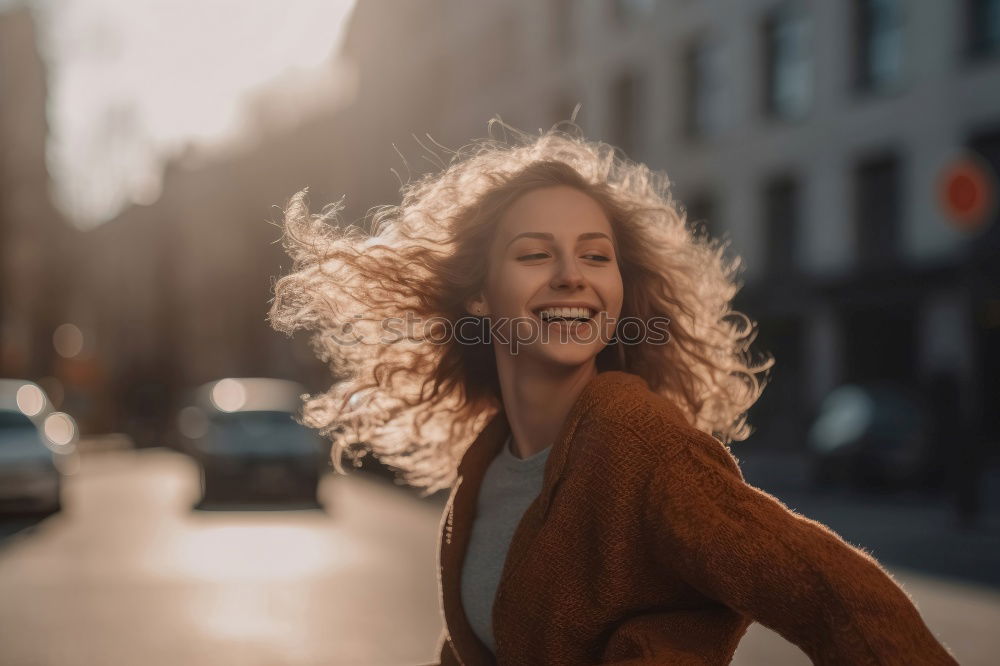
x=416 y=396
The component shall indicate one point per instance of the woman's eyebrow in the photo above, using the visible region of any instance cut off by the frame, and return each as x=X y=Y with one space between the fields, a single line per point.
x=544 y=236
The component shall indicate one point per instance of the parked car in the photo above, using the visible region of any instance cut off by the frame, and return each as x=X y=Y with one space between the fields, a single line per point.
x=872 y=436
x=243 y=433
x=37 y=448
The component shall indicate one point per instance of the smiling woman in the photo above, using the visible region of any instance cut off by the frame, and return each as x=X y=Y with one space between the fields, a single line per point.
x=510 y=227
x=595 y=515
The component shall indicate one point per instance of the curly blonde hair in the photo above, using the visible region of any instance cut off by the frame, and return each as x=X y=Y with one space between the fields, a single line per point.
x=417 y=401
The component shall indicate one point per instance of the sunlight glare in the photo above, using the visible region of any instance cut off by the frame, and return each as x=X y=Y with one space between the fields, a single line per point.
x=257 y=553
x=134 y=83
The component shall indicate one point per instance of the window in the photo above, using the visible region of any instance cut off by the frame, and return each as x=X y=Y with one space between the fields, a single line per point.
x=561 y=13
x=982 y=19
x=629 y=13
x=704 y=89
x=499 y=50
x=788 y=79
x=439 y=87
x=877 y=210
x=626 y=95
x=781 y=224
x=879 y=29
x=880 y=342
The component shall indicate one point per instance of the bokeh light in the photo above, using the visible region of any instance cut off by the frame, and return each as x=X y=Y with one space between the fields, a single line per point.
x=229 y=395
x=30 y=400
x=192 y=422
x=59 y=428
x=68 y=340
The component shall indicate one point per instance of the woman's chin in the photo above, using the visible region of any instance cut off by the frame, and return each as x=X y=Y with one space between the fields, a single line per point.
x=564 y=355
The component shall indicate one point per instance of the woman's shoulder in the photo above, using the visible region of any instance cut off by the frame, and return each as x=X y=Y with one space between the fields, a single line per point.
x=629 y=418
x=625 y=399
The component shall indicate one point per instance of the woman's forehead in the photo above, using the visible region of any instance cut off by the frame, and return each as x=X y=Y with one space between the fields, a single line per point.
x=559 y=210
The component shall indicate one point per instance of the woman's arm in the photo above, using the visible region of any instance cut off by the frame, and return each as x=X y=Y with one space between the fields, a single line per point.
x=741 y=546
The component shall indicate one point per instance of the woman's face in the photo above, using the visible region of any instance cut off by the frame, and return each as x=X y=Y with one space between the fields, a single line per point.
x=553 y=281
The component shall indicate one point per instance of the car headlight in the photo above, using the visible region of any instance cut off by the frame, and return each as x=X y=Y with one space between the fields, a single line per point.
x=60 y=429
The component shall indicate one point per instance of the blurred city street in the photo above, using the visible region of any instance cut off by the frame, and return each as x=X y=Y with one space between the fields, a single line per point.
x=128 y=573
x=843 y=156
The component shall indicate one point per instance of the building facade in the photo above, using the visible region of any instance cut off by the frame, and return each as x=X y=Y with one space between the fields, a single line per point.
x=813 y=136
x=34 y=238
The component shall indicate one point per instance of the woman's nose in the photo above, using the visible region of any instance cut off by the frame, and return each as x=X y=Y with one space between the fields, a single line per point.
x=567 y=277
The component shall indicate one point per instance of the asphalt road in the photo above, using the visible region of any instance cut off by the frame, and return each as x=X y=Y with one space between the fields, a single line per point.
x=129 y=574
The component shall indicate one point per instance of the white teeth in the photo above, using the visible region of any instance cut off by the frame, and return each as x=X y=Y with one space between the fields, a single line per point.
x=566 y=313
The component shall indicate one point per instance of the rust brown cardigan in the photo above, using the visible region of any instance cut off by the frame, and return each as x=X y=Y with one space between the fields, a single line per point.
x=646 y=546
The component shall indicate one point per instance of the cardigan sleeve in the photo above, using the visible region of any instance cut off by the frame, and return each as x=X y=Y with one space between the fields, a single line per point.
x=742 y=547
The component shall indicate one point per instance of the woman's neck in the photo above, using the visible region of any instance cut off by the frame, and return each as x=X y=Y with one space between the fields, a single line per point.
x=537 y=399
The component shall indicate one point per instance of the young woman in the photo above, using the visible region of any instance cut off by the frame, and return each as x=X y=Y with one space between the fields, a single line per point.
x=538 y=328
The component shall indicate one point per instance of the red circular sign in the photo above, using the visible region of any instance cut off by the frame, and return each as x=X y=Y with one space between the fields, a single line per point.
x=967 y=193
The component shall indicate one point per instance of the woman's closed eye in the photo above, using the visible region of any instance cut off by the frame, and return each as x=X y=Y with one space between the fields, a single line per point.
x=596 y=256
x=532 y=256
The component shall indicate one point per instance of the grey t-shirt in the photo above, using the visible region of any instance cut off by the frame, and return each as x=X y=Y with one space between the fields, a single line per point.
x=509 y=486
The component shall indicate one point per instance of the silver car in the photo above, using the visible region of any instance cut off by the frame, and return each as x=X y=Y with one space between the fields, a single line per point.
x=243 y=433
x=37 y=448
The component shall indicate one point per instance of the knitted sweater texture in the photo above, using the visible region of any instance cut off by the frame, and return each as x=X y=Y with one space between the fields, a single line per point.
x=647 y=546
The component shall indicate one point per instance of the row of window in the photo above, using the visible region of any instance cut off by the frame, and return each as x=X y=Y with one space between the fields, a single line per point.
x=788 y=56
x=876 y=209
x=876 y=215
x=788 y=86
x=789 y=71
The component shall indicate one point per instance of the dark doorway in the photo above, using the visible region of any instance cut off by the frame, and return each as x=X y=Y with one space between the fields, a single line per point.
x=880 y=343
x=986 y=145
x=985 y=250
x=981 y=441
x=779 y=416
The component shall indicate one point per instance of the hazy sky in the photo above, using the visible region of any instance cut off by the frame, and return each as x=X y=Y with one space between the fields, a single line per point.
x=131 y=81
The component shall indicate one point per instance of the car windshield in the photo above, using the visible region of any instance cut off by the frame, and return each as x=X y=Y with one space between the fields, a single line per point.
x=262 y=433
x=20 y=439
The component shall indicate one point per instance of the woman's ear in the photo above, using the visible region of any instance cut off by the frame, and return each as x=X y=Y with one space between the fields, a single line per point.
x=477 y=306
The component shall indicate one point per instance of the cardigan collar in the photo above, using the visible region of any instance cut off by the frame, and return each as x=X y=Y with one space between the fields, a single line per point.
x=461 y=510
